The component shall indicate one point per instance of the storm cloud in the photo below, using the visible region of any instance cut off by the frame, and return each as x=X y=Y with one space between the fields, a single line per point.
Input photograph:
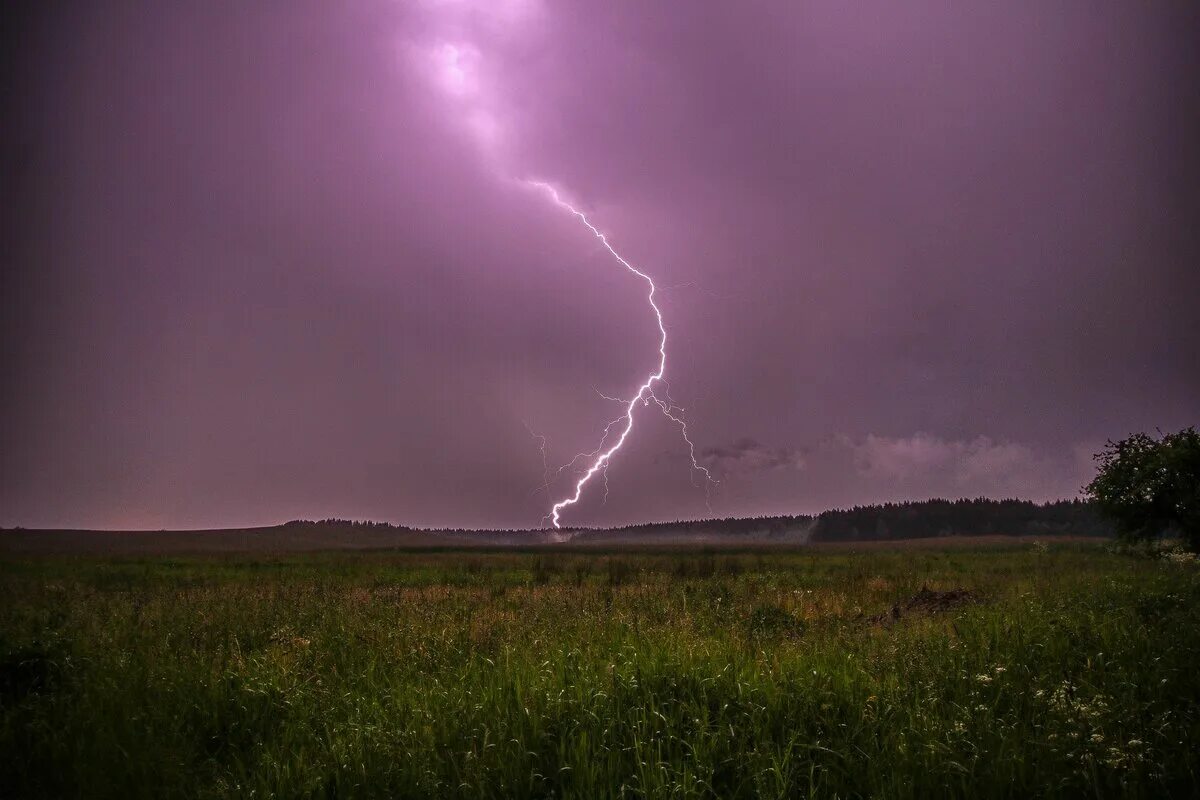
x=267 y=261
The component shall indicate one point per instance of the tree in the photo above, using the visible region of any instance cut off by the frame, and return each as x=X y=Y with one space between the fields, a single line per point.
x=1150 y=487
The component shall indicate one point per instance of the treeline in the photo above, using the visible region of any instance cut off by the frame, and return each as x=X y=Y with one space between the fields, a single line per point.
x=981 y=516
x=921 y=519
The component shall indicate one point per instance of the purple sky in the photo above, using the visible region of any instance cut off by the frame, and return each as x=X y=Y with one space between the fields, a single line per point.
x=274 y=260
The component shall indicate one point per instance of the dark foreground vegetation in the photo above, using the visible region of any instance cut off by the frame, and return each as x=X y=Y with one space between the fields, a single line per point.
x=1062 y=670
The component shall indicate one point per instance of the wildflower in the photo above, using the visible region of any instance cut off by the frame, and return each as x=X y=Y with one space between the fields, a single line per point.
x=1000 y=669
x=1180 y=557
x=983 y=678
x=1097 y=737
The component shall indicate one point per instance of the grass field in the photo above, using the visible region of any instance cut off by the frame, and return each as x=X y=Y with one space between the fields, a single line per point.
x=1066 y=671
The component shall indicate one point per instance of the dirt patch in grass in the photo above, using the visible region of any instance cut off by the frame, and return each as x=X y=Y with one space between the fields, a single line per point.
x=926 y=601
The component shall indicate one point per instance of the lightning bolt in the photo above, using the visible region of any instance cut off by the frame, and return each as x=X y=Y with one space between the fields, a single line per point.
x=602 y=457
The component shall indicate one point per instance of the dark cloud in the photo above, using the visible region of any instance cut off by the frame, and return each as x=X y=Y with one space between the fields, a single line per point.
x=270 y=261
x=747 y=455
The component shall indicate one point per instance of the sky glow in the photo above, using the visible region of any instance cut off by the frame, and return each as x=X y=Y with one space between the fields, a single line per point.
x=456 y=68
x=277 y=261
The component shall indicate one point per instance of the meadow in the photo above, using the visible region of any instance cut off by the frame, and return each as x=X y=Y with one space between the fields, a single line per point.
x=1058 y=670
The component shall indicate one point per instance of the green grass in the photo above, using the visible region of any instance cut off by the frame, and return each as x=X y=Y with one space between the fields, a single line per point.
x=598 y=675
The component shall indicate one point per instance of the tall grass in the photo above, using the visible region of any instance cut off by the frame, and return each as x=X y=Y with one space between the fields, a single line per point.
x=572 y=675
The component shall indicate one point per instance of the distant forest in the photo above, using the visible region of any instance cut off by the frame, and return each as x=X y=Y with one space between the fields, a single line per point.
x=921 y=519
x=976 y=517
